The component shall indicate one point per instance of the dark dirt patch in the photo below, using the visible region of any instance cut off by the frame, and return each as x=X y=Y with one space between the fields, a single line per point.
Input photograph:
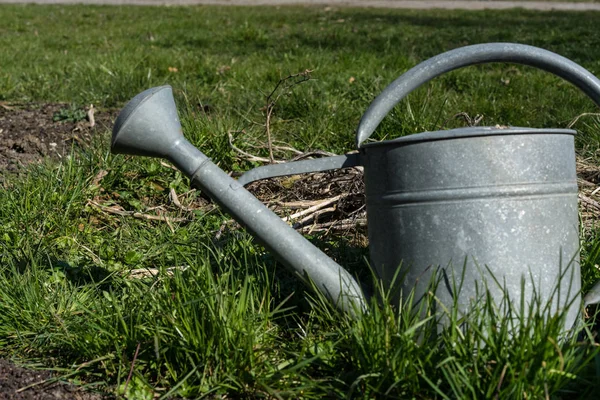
x=17 y=383
x=29 y=132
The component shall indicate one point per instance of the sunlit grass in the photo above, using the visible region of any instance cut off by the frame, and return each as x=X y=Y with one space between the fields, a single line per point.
x=221 y=317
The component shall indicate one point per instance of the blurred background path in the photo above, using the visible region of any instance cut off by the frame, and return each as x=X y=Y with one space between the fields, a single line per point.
x=408 y=4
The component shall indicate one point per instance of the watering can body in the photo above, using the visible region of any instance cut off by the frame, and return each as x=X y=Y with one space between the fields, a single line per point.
x=480 y=207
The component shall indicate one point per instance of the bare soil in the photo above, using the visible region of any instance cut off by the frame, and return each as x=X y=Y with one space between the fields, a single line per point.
x=28 y=134
x=17 y=383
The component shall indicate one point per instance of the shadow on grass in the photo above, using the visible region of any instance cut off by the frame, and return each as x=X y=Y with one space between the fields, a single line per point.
x=285 y=286
x=84 y=275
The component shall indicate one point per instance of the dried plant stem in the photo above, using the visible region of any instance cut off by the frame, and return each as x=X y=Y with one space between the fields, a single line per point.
x=278 y=148
x=470 y=121
x=137 y=350
x=308 y=154
x=589 y=202
x=135 y=214
x=268 y=129
x=272 y=99
x=574 y=121
x=287 y=148
x=583 y=182
x=335 y=225
x=140 y=273
x=90 y=116
x=502 y=374
x=167 y=165
x=314 y=216
x=175 y=199
x=296 y=204
x=314 y=208
x=248 y=156
x=5 y=105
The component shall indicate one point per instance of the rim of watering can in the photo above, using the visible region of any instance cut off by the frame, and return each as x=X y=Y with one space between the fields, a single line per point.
x=469 y=132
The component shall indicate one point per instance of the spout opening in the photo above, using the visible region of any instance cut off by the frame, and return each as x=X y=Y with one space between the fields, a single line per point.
x=129 y=110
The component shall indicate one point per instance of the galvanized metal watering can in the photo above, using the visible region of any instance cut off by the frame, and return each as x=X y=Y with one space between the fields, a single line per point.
x=478 y=203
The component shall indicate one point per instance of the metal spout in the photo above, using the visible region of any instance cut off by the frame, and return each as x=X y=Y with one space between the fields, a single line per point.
x=149 y=126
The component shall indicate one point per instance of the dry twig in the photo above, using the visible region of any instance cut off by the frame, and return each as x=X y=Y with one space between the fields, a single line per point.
x=574 y=121
x=5 y=105
x=470 y=121
x=272 y=99
x=167 y=165
x=284 y=148
x=175 y=199
x=296 y=204
x=117 y=210
x=583 y=182
x=313 y=153
x=140 y=273
x=313 y=216
x=90 y=116
x=248 y=156
x=342 y=225
x=314 y=208
x=137 y=350
x=589 y=202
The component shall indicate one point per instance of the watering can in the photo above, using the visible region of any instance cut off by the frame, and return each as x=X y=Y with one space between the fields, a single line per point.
x=477 y=203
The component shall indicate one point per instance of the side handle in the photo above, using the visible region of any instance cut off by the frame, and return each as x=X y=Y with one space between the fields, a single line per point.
x=472 y=55
x=300 y=167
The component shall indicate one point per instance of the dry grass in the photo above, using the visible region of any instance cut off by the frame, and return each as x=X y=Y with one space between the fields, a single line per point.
x=335 y=200
x=588 y=180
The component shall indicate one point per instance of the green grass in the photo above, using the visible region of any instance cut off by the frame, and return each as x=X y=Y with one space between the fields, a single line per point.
x=231 y=322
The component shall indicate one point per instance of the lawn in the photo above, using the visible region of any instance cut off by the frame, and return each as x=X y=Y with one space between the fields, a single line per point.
x=187 y=304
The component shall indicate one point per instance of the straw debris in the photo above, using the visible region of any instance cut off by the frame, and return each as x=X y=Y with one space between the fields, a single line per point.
x=334 y=202
x=322 y=202
x=588 y=180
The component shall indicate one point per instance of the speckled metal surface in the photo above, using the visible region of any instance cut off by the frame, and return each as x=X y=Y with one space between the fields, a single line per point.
x=493 y=207
x=501 y=204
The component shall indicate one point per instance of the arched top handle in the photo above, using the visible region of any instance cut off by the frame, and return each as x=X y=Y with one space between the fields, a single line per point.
x=472 y=55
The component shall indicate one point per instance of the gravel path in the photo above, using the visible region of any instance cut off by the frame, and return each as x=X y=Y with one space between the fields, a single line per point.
x=407 y=4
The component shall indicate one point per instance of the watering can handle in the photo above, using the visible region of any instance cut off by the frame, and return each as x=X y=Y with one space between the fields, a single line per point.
x=472 y=55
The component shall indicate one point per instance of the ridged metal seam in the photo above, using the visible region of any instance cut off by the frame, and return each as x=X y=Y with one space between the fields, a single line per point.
x=474 y=193
x=465 y=133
